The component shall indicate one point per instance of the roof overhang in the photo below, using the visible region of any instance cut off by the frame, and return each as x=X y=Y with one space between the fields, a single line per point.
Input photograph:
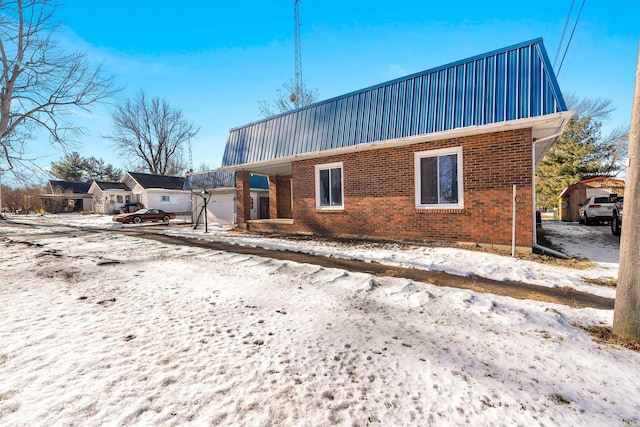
x=67 y=196
x=544 y=131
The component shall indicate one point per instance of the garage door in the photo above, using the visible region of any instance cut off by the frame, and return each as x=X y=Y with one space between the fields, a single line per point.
x=220 y=209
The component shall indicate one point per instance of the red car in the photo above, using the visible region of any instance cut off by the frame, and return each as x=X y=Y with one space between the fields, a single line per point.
x=142 y=215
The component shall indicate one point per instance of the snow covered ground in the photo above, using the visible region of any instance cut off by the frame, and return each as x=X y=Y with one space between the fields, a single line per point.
x=101 y=328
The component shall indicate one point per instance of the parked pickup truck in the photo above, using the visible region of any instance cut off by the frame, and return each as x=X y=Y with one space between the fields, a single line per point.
x=616 y=216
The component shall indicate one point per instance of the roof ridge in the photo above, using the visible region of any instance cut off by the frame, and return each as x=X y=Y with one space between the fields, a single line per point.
x=536 y=41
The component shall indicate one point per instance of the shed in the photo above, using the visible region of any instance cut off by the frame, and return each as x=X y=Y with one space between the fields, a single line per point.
x=572 y=196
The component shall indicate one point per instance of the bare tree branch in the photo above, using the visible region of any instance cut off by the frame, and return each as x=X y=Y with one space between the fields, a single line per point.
x=596 y=108
x=152 y=133
x=286 y=99
x=40 y=84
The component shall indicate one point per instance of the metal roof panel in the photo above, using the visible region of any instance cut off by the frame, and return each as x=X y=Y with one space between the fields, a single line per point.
x=512 y=83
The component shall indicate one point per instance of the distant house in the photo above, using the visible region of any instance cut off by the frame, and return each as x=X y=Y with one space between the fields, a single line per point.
x=218 y=187
x=67 y=196
x=158 y=191
x=571 y=197
x=151 y=191
x=109 y=197
x=433 y=156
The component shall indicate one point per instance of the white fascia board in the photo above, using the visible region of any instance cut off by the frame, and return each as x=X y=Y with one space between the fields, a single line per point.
x=166 y=190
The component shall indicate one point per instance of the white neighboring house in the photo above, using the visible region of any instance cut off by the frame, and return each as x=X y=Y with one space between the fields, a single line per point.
x=109 y=197
x=218 y=187
x=158 y=192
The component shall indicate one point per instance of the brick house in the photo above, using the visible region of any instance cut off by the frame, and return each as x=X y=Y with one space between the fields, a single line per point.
x=432 y=156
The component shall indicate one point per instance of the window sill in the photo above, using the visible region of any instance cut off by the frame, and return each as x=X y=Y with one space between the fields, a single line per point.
x=440 y=210
x=329 y=209
x=440 y=207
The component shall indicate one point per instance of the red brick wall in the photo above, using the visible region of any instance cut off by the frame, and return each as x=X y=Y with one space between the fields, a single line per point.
x=379 y=193
x=284 y=196
x=243 y=197
x=273 y=196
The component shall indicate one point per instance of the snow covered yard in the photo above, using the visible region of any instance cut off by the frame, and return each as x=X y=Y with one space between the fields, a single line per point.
x=100 y=328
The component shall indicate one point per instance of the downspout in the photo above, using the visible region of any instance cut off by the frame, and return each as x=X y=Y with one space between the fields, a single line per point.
x=533 y=195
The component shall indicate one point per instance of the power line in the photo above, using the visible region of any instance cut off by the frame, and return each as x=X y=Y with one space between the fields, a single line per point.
x=570 y=38
x=564 y=31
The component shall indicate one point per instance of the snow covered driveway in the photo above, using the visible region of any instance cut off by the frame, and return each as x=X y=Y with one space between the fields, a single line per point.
x=106 y=329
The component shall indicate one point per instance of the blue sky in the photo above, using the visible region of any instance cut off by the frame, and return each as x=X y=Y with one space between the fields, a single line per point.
x=216 y=60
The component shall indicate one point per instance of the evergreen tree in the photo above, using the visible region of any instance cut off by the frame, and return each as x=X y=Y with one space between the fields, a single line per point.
x=76 y=168
x=71 y=168
x=580 y=152
x=98 y=170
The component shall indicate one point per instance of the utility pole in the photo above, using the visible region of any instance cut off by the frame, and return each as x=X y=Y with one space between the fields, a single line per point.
x=626 y=316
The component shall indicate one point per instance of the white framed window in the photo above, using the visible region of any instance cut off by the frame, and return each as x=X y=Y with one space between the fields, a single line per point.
x=438 y=179
x=165 y=198
x=329 y=188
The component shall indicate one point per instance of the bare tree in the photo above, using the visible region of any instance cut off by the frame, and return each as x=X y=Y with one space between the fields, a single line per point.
x=152 y=133
x=611 y=149
x=287 y=98
x=596 y=108
x=40 y=83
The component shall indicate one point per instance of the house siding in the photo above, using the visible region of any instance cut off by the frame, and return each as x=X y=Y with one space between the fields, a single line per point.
x=379 y=193
x=179 y=201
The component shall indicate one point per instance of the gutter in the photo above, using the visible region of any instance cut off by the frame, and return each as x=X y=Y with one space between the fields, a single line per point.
x=544 y=249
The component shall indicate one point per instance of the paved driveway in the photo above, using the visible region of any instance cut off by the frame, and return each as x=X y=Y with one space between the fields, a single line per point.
x=593 y=242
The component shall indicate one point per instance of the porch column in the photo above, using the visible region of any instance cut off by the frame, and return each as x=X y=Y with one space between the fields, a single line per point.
x=243 y=198
x=273 y=196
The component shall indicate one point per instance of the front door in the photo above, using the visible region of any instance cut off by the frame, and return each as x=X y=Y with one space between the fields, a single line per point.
x=264 y=207
x=255 y=201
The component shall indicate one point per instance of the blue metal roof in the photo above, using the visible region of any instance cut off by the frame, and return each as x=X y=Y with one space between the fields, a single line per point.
x=209 y=180
x=513 y=83
x=221 y=179
x=258 y=182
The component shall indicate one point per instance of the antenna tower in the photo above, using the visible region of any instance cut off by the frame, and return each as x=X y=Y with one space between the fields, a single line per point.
x=298 y=92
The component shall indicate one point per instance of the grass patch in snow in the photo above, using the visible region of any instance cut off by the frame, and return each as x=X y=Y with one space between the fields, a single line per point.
x=610 y=283
x=604 y=334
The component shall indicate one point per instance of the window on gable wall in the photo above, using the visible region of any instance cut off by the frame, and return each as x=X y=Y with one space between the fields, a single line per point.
x=165 y=198
x=438 y=179
x=329 y=187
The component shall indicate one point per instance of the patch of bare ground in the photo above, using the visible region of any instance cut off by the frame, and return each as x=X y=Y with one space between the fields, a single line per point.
x=609 y=283
x=603 y=334
x=574 y=263
x=514 y=289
